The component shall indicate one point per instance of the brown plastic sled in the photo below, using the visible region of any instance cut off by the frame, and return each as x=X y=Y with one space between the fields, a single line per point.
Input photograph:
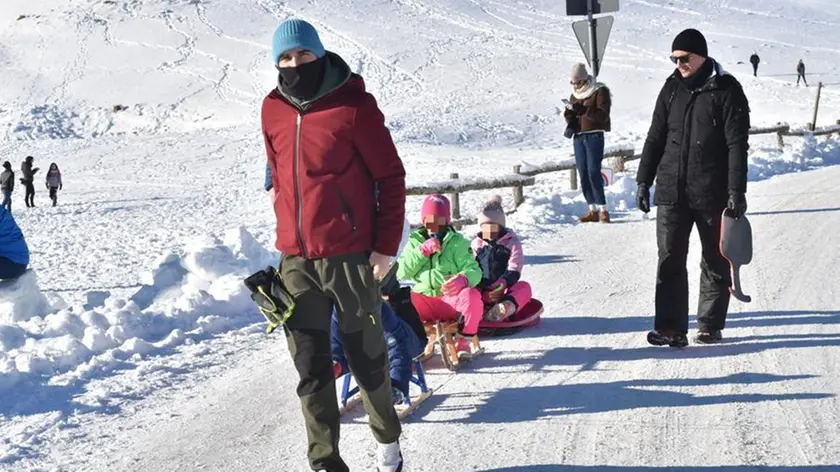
x=736 y=247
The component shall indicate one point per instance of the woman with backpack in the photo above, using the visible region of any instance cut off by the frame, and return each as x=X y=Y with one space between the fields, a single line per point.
x=54 y=182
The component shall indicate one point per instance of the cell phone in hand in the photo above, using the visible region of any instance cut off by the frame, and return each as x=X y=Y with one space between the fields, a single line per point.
x=567 y=103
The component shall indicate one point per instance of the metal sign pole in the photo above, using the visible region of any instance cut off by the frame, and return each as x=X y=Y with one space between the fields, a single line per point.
x=593 y=46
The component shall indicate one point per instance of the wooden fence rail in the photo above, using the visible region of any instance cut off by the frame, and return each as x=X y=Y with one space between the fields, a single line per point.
x=520 y=178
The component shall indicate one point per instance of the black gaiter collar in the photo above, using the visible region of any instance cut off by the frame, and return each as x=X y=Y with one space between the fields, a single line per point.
x=304 y=81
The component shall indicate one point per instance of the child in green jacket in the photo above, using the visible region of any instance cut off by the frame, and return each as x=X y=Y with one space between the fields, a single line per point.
x=440 y=262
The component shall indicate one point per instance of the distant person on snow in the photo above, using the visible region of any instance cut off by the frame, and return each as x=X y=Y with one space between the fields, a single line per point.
x=54 y=182
x=755 y=60
x=498 y=251
x=7 y=185
x=440 y=262
x=28 y=180
x=14 y=253
x=800 y=73
x=696 y=149
x=588 y=118
x=339 y=198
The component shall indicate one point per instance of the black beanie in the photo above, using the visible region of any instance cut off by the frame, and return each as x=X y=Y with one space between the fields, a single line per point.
x=691 y=40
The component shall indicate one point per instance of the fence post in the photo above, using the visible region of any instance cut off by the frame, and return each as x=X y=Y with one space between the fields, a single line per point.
x=573 y=177
x=455 y=198
x=780 y=138
x=816 y=106
x=518 y=197
x=619 y=162
x=838 y=124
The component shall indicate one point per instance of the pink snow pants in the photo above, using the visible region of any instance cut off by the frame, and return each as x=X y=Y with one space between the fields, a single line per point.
x=521 y=292
x=467 y=302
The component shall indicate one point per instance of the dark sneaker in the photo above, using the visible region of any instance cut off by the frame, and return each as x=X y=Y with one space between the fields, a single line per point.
x=708 y=336
x=658 y=338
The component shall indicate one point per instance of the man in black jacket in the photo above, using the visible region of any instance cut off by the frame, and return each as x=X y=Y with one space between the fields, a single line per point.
x=697 y=150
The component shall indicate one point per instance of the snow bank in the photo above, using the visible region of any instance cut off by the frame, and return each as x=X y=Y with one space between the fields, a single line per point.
x=21 y=299
x=189 y=296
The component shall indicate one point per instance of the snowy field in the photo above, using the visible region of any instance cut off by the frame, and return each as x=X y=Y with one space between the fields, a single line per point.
x=138 y=348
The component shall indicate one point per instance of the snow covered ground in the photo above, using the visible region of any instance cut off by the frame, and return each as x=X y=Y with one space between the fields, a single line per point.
x=152 y=356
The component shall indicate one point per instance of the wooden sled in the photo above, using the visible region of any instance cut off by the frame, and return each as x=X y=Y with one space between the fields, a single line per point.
x=350 y=397
x=442 y=334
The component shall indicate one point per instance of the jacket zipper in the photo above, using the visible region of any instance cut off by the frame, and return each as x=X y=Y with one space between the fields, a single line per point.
x=346 y=208
x=298 y=197
x=682 y=182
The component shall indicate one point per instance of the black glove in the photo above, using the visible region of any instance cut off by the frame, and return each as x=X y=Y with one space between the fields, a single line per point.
x=643 y=197
x=272 y=298
x=737 y=204
x=578 y=108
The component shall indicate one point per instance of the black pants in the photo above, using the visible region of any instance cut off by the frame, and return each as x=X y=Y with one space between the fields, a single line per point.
x=54 y=195
x=29 y=197
x=673 y=229
x=802 y=77
x=345 y=283
x=755 y=70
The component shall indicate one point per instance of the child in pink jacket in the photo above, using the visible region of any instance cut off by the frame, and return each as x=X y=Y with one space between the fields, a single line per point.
x=499 y=254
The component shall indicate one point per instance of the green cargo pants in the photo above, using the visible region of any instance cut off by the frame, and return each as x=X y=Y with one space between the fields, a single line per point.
x=345 y=282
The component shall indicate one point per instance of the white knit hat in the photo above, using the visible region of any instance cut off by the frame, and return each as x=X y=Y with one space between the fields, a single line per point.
x=493 y=212
x=579 y=72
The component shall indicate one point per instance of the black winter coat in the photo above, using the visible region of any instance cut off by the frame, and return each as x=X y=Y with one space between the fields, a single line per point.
x=697 y=144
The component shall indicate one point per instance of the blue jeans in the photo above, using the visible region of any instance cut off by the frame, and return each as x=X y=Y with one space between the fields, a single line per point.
x=7 y=201
x=589 y=152
x=10 y=270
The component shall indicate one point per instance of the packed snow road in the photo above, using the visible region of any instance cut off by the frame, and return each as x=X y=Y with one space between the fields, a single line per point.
x=581 y=390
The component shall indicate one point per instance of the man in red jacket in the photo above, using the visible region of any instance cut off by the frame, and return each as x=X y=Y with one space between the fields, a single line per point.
x=339 y=198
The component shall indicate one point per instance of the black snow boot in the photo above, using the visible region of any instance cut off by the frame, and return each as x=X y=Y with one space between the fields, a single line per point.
x=667 y=339
x=708 y=336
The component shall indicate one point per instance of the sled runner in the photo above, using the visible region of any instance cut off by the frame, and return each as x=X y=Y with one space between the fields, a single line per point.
x=736 y=247
x=350 y=397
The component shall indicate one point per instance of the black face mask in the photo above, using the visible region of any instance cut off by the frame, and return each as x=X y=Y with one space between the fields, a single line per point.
x=304 y=81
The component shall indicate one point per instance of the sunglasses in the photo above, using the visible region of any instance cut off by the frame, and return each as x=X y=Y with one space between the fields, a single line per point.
x=681 y=59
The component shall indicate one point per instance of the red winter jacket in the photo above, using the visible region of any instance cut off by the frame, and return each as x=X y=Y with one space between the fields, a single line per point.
x=324 y=163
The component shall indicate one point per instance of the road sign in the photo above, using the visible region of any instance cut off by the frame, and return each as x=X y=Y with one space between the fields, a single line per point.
x=599 y=30
x=581 y=7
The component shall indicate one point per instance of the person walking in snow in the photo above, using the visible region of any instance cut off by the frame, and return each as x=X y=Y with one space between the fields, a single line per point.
x=14 y=253
x=588 y=118
x=7 y=185
x=54 y=182
x=755 y=60
x=339 y=199
x=696 y=149
x=28 y=180
x=800 y=73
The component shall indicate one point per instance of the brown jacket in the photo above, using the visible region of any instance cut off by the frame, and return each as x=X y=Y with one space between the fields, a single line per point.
x=597 y=114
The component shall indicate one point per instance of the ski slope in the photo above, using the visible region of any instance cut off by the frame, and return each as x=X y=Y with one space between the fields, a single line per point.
x=153 y=356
